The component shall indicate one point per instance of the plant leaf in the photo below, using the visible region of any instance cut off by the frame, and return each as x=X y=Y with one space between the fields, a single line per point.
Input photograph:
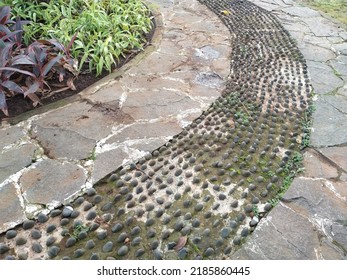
x=48 y=66
x=12 y=86
x=22 y=60
x=3 y=105
x=4 y=28
x=17 y=70
x=4 y=14
x=180 y=243
x=5 y=54
x=32 y=89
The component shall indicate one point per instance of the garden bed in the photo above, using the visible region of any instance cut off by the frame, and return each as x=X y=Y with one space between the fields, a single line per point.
x=123 y=45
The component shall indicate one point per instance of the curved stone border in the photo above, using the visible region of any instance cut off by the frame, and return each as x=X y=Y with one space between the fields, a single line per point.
x=50 y=158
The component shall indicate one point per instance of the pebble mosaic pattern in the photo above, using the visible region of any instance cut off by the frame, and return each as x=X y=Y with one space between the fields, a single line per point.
x=203 y=193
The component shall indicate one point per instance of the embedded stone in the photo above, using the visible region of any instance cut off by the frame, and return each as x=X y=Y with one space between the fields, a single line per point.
x=21 y=241
x=70 y=242
x=42 y=218
x=91 y=215
x=209 y=252
x=67 y=211
x=55 y=213
x=36 y=247
x=36 y=234
x=139 y=252
x=123 y=251
x=4 y=248
x=107 y=247
x=50 y=240
x=53 y=251
x=11 y=234
x=28 y=224
x=78 y=253
x=90 y=244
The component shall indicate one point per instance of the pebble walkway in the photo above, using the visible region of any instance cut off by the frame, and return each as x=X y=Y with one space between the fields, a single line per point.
x=203 y=193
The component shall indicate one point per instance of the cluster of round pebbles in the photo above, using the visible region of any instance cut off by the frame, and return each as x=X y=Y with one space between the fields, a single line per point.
x=200 y=195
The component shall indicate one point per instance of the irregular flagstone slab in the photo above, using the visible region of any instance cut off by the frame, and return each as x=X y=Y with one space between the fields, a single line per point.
x=11 y=211
x=315 y=199
x=58 y=143
x=329 y=125
x=51 y=182
x=330 y=82
x=340 y=66
x=107 y=162
x=90 y=121
x=10 y=136
x=283 y=229
x=154 y=104
x=149 y=145
x=302 y=226
x=336 y=154
x=14 y=160
x=301 y=12
x=321 y=26
x=316 y=53
x=317 y=167
x=146 y=130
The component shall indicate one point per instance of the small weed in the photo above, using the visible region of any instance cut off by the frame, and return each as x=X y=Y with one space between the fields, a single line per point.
x=242 y=116
x=306 y=125
x=77 y=230
x=291 y=170
x=255 y=211
x=92 y=155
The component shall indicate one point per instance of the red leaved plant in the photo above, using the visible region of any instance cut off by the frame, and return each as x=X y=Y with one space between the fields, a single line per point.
x=28 y=70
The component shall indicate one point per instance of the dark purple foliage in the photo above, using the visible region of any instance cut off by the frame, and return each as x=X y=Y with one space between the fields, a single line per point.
x=27 y=70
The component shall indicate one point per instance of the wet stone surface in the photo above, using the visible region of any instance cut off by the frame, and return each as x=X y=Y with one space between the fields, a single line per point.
x=204 y=188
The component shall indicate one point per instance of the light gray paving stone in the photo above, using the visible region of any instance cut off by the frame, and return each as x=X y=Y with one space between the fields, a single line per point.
x=10 y=135
x=91 y=121
x=301 y=12
x=15 y=159
x=336 y=154
x=146 y=130
x=155 y=104
x=11 y=211
x=329 y=125
x=323 y=78
x=51 y=181
x=56 y=143
x=107 y=162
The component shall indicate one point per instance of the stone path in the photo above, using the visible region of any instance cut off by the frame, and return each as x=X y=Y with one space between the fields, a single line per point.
x=311 y=221
x=113 y=124
x=50 y=158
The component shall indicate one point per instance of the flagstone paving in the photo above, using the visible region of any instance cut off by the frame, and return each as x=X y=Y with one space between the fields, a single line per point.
x=51 y=158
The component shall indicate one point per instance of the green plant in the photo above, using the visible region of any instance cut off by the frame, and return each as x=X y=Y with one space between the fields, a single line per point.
x=291 y=170
x=107 y=30
x=77 y=229
x=242 y=116
x=307 y=124
x=255 y=211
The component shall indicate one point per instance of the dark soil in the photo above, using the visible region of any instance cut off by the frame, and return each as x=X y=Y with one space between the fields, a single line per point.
x=18 y=104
